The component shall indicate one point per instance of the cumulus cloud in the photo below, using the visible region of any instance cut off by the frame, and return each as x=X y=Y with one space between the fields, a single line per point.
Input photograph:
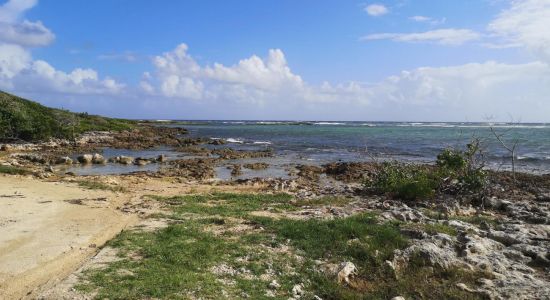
x=525 y=24
x=449 y=37
x=376 y=10
x=18 y=71
x=179 y=75
x=456 y=92
x=24 y=33
x=21 y=73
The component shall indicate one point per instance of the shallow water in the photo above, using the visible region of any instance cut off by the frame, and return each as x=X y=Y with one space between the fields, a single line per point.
x=321 y=142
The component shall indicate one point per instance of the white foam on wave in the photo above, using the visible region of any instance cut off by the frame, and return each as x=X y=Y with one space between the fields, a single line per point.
x=329 y=123
x=262 y=143
x=232 y=140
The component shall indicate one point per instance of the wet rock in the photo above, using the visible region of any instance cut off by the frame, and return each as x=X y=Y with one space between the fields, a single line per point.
x=64 y=160
x=256 y=166
x=236 y=170
x=161 y=158
x=350 y=171
x=309 y=172
x=98 y=159
x=196 y=168
x=141 y=161
x=217 y=142
x=85 y=158
x=125 y=160
x=6 y=148
x=228 y=153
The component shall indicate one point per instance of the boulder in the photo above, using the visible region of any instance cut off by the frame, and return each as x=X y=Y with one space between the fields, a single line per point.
x=64 y=160
x=98 y=159
x=141 y=161
x=346 y=270
x=125 y=160
x=85 y=158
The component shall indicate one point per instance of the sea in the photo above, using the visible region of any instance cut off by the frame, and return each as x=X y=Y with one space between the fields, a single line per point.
x=321 y=141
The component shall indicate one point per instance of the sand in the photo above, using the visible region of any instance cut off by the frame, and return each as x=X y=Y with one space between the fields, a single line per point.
x=47 y=230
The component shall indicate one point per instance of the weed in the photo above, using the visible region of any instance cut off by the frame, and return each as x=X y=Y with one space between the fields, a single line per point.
x=11 y=170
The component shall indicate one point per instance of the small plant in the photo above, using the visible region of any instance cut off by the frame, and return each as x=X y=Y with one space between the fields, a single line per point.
x=456 y=172
x=11 y=170
x=95 y=185
x=462 y=171
x=407 y=182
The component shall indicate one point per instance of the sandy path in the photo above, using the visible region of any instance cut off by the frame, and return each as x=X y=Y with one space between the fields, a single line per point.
x=44 y=237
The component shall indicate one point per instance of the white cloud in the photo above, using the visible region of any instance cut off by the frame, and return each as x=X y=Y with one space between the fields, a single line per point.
x=24 y=33
x=449 y=37
x=527 y=24
x=177 y=74
x=13 y=9
x=429 y=20
x=19 y=72
x=376 y=10
x=453 y=93
x=420 y=18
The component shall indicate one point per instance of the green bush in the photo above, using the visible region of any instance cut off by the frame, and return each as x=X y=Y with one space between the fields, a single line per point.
x=27 y=120
x=407 y=182
x=462 y=171
x=456 y=172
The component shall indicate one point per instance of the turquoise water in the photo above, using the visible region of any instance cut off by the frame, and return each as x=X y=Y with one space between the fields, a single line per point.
x=350 y=141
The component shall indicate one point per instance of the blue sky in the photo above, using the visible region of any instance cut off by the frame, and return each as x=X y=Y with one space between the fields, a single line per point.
x=326 y=60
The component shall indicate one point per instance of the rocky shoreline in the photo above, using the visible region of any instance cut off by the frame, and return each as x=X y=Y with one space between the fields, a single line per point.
x=501 y=234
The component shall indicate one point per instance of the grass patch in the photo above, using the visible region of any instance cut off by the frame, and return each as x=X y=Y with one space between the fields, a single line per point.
x=189 y=260
x=95 y=185
x=11 y=170
x=226 y=204
x=433 y=228
x=476 y=220
x=323 y=201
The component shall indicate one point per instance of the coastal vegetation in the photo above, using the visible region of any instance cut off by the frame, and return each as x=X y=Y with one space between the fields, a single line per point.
x=22 y=119
x=455 y=172
x=219 y=245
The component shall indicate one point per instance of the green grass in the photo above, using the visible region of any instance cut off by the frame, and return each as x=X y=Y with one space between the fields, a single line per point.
x=30 y=121
x=227 y=204
x=95 y=185
x=177 y=262
x=433 y=228
x=323 y=201
x=11 y=170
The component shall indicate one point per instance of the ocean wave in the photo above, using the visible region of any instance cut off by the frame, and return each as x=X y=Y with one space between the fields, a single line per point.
x=329 y=123
x=261 y=143
x=236 y=141
x=533 y=158
x=463 y=125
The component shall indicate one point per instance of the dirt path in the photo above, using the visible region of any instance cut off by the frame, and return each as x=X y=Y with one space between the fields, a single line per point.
x=47 y=229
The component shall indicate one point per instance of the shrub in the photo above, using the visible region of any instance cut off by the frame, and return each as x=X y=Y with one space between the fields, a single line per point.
x=462 y=171
x=456 y=172
x=407 y=182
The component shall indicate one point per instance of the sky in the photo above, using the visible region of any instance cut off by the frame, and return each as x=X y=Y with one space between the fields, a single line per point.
x=401 y=60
